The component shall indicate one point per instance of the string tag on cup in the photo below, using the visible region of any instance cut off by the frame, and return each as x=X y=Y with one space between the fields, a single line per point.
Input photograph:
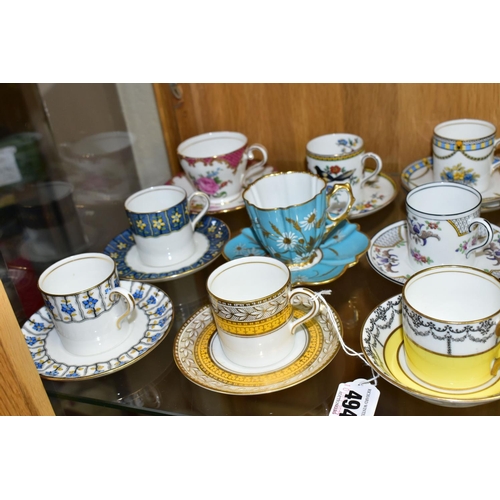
x=357 y=398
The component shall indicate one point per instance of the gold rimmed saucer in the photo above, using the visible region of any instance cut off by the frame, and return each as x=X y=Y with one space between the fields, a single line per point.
x=382 y=344
x=199 y=356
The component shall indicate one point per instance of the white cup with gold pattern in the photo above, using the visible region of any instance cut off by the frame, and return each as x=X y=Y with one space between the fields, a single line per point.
x=463 y=150
x=451 y=326
x=252 y=304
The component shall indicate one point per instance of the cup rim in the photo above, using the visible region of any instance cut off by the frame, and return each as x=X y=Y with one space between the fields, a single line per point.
x=464 y=121
x=447 y=185
x=276 y=174
x=72 y=258
x=241 y=261
x=208 y=135
x=332 y=156
x=150 y=190
x=451 y=267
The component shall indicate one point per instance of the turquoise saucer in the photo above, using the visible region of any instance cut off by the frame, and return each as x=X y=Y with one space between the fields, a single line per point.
x=341 y=250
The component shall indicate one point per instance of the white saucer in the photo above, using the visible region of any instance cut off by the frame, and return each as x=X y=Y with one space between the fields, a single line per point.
x=216 y=208
x=382 y=343
x=377 y=195
x=199 y=356
x=210 y=236
x=388 y=254
x=154 y=318
x=420 y=172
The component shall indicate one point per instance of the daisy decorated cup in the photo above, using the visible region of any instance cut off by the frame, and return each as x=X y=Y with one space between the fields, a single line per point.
x=253 y=304
x=289 y=212
x=451 y=326
x=463 y=150
x=90 y=311
x=217 y=164
x=340 y=158
x=161 y=223
x=444 y=225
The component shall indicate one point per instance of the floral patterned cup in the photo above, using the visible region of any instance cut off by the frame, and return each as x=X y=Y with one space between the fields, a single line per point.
x=340 y=158
x=216 y=164
x=161 y=223
x=451 y=324
x=82 y=296
x=443 y=225
x=252 y=304
x=462 y=151
x=289 y=214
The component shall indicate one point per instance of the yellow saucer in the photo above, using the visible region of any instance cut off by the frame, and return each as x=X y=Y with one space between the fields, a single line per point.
x=199 y=356
x=382 y=342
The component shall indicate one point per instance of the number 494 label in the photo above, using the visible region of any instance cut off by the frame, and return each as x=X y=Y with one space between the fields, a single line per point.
x=355 y=399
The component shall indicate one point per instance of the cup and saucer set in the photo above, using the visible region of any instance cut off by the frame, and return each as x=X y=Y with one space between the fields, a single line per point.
x=438 y=339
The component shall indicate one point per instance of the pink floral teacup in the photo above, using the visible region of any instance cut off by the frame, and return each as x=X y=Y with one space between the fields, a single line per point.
x=216 y=164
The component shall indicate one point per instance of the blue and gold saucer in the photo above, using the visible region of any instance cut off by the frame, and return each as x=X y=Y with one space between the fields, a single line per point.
x=210 y=236
x=342 y=249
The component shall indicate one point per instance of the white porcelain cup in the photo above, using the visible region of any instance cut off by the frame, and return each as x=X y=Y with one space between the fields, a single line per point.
x=340 y=158
x=252 y=304
x=451 y=326
x=444 y=225
x=216 y=164
x=463 y=150
x=90 y=311
x=160 y=221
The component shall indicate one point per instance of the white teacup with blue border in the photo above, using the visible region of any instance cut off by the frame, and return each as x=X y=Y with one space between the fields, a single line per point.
x=462 y=152
x=160 y=221
x=290 y=214
x=82 y=296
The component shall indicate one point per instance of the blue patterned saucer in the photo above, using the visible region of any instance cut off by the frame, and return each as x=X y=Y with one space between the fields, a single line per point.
x=420 y=172
x=152 y=324
x=342 y=249
x=210 y=236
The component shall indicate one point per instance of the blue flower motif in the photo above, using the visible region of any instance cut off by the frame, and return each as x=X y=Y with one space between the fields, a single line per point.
x=38 y=365
x=117 y=283
x=151 y=300
x=31 y=340
x=90 y=302
x=49 y=305
x=154 y=338
x=138 y=294
x=161 y=310
x=39 y=327
x=53 y=373
x=162 y=322
x=72 y=375
x=68 y=308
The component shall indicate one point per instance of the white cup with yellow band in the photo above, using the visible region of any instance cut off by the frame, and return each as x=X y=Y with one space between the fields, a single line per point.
x=253 y=307
x=462 y=152
x=451 y=326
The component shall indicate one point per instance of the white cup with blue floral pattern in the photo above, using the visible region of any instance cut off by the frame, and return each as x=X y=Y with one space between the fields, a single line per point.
x=90 y=311
x=444 y=226
x=290 y=215
x=463 y=150
x=161 y=223
x=340 y=158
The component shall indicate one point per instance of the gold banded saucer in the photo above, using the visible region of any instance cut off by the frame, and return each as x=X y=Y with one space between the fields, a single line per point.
x=382 y=344
x=199 y=356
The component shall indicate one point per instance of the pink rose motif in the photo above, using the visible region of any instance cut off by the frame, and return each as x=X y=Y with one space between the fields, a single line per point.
x=207 y=185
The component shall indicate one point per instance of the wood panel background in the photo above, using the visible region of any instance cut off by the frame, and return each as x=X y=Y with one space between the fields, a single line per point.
x=395 y=120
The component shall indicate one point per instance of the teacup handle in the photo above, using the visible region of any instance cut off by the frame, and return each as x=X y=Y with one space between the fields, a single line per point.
x=128 y=299
x=489 y=230
x=494 y=166
x=378 y=167
x=314 y=309
x=203 y=211
x=335 y=220
x=258 y=167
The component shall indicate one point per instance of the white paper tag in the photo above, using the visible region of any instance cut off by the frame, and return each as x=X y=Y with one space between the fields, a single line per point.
x=9 y=171
x=355 y=399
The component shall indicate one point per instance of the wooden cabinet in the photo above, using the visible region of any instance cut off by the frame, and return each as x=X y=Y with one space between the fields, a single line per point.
x=396 y=120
